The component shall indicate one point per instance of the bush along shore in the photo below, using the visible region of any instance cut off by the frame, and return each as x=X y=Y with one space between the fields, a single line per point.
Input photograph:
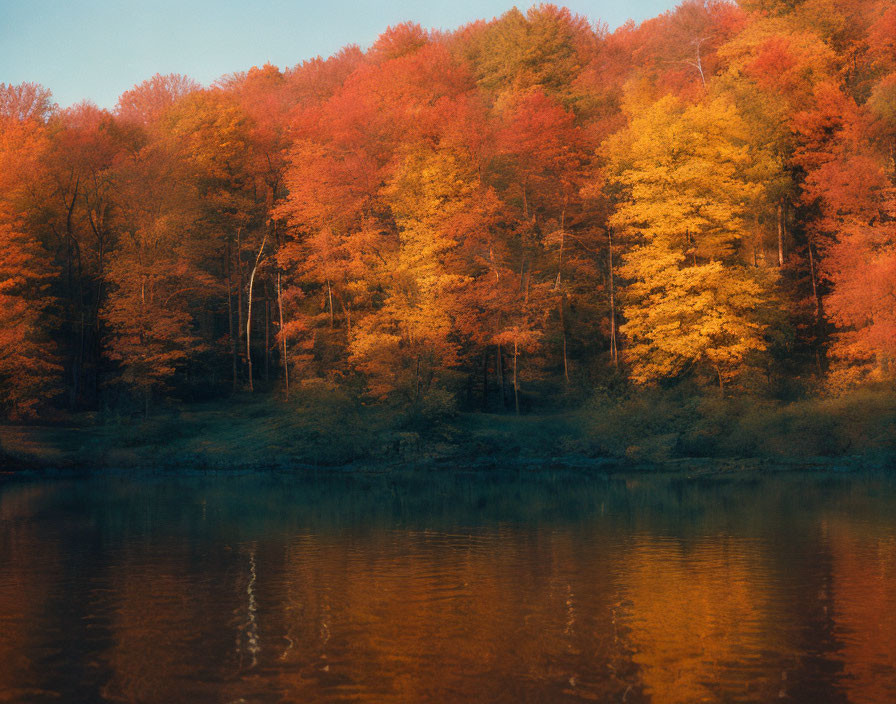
x=328 y=429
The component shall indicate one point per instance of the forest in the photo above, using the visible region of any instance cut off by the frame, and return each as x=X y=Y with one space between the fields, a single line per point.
x=526 y=215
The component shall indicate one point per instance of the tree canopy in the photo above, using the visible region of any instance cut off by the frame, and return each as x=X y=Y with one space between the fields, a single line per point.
x=501 y=214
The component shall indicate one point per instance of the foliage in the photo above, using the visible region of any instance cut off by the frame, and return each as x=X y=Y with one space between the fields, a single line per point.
x=687 y=176
x=501 y=217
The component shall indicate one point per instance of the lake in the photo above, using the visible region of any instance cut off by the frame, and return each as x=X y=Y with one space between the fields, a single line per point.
x=502 y=586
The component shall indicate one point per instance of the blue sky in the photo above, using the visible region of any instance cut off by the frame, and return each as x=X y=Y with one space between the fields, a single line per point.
x=97 y=49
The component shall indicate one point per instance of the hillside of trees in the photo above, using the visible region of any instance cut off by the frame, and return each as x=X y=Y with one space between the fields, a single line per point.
x=511 y=217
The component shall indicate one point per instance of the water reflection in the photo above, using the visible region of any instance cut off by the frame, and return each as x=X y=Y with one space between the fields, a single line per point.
x=500 y=587
x=864 y=603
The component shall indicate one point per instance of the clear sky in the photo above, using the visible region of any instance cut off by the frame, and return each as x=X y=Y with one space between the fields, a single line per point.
x=97 y=49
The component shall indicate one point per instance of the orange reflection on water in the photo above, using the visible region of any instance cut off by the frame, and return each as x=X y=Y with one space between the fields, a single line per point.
x=687 y=593
x=24 y=594
x=434 y=617
x=864 y=603
x=695 y=616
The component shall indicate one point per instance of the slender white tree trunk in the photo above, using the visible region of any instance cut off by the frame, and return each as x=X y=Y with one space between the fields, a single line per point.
x=249 y=310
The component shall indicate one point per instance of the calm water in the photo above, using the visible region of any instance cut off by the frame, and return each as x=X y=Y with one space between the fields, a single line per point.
x=500 y=587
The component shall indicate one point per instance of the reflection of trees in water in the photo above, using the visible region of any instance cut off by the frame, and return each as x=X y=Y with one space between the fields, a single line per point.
x=54 y=612
x=697 y=619
x=864 y=601
x=556 y=586
x=173 y=610
x=25 y=594
x=247 y=635
x=425 y=616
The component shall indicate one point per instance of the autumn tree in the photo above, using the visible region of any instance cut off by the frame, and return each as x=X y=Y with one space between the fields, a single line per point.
x=25 y=102
x=686 y=176
x=72 y=203
x=528 y=196
x=852 y=180
x=428 y=197
x=544 y=154
x=154 y=274
x=266 y=95
x=335 y=239
x=212 y=135
x=145 y=103
x=29 y=369
x=343 y=234
x=544 y=49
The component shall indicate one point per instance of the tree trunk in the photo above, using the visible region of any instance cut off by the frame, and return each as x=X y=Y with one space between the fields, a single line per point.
x=97 y=350
x=72 y=245
x=239 y=286
x=697 y=63
x=814 y=285
x=893 y=158
x=417 y=380
x=721 y=383
x=516 y=388
x=557 y=285
x=485 y=379
x=818 y=310
x=330 y=298
x=469 y=396
x=692 y=245
x=267 y=337
x=249 y=312
x=285 y=358
x=562 y=243
x=347 y=312
x=780 y=218
x=233 y=340
x=614 y=352
x=563 y=332
x=499 y=364
x=526 y=198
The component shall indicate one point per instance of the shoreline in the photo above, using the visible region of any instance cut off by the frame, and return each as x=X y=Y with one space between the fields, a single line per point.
x=670 y=435
x=14 y=468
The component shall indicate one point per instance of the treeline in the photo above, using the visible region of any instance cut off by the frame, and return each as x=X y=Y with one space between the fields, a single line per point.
x=531 y=203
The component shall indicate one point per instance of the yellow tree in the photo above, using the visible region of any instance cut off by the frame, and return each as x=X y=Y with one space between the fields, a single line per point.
x=772 y=66
x=545 y=49
x=407 y=341
x=685 y=176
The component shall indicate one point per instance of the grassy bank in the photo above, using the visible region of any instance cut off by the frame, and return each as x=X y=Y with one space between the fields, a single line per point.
x=327 y=428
